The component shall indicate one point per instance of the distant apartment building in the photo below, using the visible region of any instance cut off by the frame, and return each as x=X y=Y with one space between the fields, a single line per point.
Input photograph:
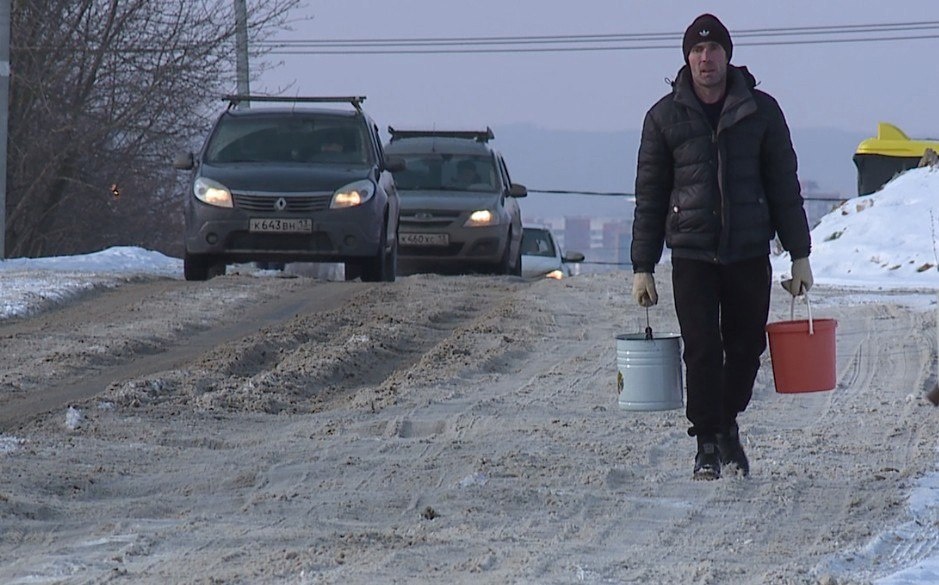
x=604 y=242
x=577 y=234
x=617 y=237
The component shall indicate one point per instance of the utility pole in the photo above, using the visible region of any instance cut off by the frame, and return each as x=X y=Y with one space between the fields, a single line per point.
x=4 y=116
x=241 y=42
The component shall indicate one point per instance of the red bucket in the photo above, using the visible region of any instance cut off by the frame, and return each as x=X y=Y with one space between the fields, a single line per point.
x=803 y=354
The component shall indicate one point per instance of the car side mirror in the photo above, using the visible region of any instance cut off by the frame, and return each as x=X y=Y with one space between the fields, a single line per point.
x=184 y=161
x=395 y=164
x=517 y=190
x=573 y=257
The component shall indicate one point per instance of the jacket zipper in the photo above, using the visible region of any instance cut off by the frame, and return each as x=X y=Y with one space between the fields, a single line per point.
x=720 y=190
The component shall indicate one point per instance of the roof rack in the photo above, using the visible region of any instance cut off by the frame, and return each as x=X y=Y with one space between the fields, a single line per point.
x=234 y=100
x=477 y=135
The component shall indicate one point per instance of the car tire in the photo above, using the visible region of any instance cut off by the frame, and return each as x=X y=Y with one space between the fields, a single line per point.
x=352 y=271
x=196 y=267
x=383 y=267
x=517 y=268
x=217 y=268
x=392 y=273
x=505 y=264
x=375 y=269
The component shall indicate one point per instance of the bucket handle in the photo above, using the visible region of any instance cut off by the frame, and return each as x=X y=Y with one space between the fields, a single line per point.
x=792 y=309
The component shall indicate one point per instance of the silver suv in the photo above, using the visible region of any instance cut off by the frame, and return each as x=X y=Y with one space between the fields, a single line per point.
x=459 y=211
x=292 y=183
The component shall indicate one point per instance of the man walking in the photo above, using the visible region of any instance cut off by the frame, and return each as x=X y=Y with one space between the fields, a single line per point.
x=716 y=182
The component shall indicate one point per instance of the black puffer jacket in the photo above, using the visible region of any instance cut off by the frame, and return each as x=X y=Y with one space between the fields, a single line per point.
x=719 y=197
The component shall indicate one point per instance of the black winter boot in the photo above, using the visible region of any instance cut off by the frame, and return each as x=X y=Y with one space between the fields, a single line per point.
x=731 y=450
x=707 y=463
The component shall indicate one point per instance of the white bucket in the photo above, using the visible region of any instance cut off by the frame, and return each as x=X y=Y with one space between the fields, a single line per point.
x=648 y=371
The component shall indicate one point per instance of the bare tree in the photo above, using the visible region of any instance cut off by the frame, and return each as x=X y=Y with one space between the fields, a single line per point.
x=103 y=93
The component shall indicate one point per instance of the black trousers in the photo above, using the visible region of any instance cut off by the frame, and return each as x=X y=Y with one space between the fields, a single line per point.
x=722 y=313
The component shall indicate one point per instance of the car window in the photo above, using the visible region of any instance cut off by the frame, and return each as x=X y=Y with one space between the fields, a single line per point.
x=292 y=139
x=446 y=172
x=537 y=243
x=376 y=140
x=505 y=172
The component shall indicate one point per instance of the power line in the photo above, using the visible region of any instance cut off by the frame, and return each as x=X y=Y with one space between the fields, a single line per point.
x=671 y=47
x=806 y=197
x=805 y=35
x=670 y=36
x=826 y=34
x=565 y=192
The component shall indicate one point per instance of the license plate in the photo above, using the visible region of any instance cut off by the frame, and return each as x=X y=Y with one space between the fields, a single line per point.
x=424 y=239
x=282 y=226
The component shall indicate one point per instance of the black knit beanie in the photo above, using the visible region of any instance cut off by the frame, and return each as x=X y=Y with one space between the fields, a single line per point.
x=707 y=28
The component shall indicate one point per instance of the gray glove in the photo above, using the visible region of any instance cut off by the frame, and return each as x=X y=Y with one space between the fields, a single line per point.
x=801 y=280
x=644 y=289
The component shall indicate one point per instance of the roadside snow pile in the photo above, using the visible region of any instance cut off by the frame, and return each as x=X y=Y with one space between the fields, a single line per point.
x=886 y=239
x=32 y=283
x=126 y=260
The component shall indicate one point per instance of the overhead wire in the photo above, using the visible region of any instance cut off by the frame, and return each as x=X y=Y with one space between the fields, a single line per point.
x=779 y=31
x=803 y=35
x=807 y=197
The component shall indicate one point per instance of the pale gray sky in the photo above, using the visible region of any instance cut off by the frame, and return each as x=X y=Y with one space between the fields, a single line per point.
x=849 y=86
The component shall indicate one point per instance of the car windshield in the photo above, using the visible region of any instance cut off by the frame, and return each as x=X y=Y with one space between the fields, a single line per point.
x=289 y=139
x=447 y=172
x=537 y=243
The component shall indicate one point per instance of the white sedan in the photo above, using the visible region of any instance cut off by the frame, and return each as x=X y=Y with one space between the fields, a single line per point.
x=542 y=257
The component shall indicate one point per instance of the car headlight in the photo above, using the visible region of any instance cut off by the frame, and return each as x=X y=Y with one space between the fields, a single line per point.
x=482 y=218
x=211 y=192
x=352 y=194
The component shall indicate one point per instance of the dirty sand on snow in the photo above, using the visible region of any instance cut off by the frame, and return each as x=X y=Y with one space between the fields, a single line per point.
x=454 y=430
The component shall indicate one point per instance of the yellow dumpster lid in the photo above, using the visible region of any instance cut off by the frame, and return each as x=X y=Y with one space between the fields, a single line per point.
x=891 y=141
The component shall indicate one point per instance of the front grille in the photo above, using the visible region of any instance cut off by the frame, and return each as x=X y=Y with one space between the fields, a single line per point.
x=426 y=218
x=433 y=224
x=295 y=203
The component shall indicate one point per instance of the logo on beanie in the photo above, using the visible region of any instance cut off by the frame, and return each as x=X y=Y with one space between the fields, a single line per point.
x=704 y=33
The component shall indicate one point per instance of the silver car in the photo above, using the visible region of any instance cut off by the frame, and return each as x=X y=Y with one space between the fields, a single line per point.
x=542 y=257
x=459 y=211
